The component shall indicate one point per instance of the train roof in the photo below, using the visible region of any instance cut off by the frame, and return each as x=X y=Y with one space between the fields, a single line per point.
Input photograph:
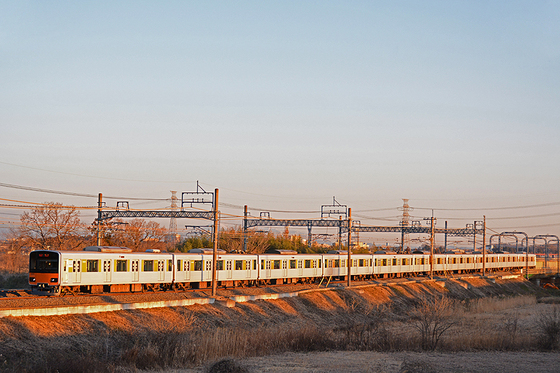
x=206 y=250
x=108 y=249
x=281 y=251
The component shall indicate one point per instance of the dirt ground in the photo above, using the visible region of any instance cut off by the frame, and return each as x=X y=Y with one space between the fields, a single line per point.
x=399 y=362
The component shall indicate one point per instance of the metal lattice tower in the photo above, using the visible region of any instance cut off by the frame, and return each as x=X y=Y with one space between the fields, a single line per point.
x=405 y=222
x=173 y=220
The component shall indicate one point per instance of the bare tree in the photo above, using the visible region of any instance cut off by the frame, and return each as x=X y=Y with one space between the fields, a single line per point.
x=548 y=324
x=138 y=234
x=52 y=226
x=432 y=317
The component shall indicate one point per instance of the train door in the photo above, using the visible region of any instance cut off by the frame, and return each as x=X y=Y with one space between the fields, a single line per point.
x=77 y=271
x=314 y=265
x=161 y=270
x=285 y=268
x=300 y=267
x=187 y=269
x=208 y=271
x=67 y=269
x=268 y=271
x=248 y=269
x=229 y=270
x=134 y=269
x=107 y=270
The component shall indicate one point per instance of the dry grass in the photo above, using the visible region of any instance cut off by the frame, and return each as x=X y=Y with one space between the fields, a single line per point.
x=337 y=320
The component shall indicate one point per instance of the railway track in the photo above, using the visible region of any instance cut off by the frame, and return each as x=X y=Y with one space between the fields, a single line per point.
x=21 y=298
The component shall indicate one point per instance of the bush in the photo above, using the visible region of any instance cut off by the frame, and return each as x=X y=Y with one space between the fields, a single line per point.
x=548 y=323
x=432 y=317
x=227 y=366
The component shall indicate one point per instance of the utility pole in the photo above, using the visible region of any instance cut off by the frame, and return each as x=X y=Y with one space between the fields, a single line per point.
x=445 y=242
x=340 y=232
x=245 y=229
x=484 y=246
x=432 y=241
x=349 y=246
x=215 y=244
x=99 y=205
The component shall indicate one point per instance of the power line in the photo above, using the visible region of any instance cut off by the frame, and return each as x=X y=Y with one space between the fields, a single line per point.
x=491 y=208
x=33 y=189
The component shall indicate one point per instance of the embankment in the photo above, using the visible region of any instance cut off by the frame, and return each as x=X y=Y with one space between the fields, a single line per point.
x=378 y=318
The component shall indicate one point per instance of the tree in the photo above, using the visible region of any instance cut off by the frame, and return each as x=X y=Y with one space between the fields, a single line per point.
x=137 y=234
x=432 y=317
x=52 y=226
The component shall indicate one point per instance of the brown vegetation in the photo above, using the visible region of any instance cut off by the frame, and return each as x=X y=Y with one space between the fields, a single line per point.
x=368 y=319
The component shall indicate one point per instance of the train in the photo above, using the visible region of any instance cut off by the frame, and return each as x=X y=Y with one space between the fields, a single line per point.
x=107 y=269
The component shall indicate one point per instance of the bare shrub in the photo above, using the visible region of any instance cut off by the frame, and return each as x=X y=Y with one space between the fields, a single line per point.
x=416 y=366
x=432 y=317
x=548 y=324
x=227 y=366
x=510 y=327
x=494 y=304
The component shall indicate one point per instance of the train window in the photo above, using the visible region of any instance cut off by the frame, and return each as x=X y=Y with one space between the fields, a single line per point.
x=220 y=265
x=337 y=263
x=383 y=262
x=254 y=264
x=404 y=261
x=307 y=263
x=148 y=265
x=238 y=265
x=121 y=265
x=262 y=264
x=92 y=265
x=320 y=261
x=169 y=265
x=197 y=265
x=275 y=264
x=292 y=264
x=395 y=262
x=179 y=264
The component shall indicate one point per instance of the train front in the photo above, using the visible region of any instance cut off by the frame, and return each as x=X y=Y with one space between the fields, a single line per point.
x=44 y=271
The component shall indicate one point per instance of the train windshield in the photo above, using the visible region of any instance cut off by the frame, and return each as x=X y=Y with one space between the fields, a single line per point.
x=43 y=262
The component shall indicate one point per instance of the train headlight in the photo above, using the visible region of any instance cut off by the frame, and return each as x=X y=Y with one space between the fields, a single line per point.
x=54 y=279
x=31 y=279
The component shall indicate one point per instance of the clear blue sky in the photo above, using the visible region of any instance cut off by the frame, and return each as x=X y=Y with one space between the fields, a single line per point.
x=285 y=104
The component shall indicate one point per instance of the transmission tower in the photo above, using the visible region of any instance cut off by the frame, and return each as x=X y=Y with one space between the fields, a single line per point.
x=405 y=223
x=173 y=221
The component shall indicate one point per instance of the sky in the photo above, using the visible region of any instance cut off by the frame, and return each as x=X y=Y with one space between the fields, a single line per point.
x=285 y=105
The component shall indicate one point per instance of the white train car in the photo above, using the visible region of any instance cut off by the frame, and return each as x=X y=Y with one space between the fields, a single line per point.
x=99 y=269
x=391 y=264
x=362 y=266
x=194 y=270
x=289 y=267
x=334 y=265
